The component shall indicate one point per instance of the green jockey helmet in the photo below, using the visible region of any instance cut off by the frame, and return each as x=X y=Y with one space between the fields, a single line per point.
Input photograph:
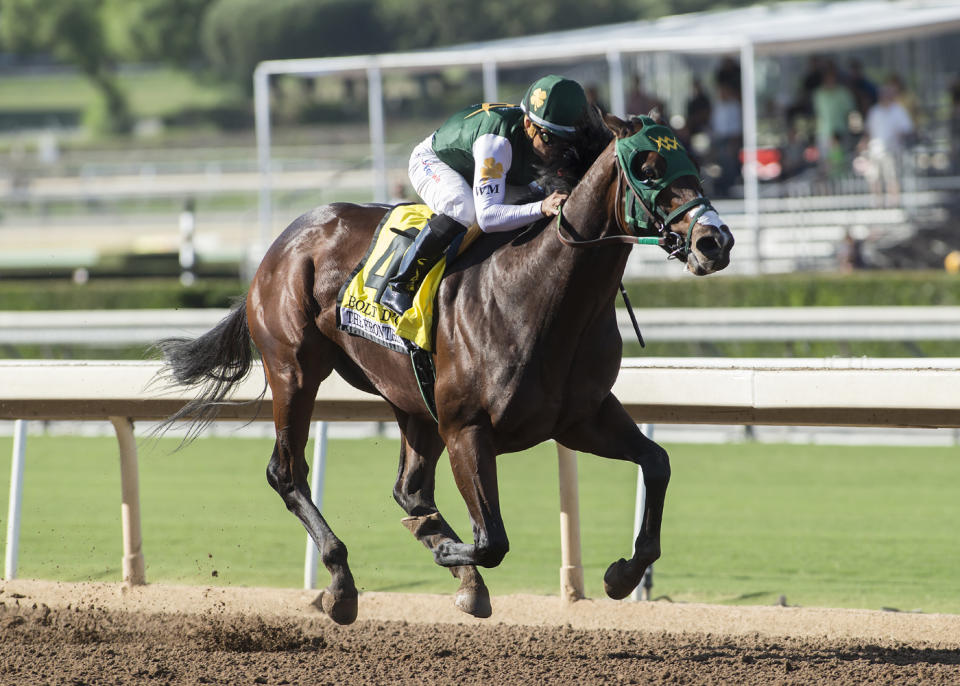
x=555 y=104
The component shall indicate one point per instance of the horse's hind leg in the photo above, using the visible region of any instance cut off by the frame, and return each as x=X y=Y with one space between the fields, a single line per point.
x=414 y=492
x=294 y=377
x=612 y=433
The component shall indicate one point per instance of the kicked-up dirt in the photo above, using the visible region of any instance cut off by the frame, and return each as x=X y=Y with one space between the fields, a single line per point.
x=55 y=633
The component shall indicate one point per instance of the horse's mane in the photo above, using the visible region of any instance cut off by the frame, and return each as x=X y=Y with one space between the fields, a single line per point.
x=564 y=173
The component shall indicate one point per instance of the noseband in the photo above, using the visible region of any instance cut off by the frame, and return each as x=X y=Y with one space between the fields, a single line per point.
x=654 y=227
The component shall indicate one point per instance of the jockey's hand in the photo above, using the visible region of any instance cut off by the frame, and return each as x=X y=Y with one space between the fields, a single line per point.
x=551 y=204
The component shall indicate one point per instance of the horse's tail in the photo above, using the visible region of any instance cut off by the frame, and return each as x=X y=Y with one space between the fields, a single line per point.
x=213 y=364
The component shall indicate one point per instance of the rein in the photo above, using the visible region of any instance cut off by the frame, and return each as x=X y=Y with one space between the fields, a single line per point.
x=594 y=242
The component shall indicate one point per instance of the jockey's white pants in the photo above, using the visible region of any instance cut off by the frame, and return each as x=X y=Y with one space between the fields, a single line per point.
x=441 y=187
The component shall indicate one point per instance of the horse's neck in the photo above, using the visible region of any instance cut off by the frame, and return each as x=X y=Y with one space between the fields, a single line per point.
x=584 y=277
x=549 y=297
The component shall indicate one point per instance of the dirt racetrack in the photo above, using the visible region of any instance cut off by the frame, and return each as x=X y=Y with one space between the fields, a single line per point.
x=53 y=633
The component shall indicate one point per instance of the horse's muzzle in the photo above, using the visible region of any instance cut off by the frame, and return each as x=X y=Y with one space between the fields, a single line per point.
x=709 y=249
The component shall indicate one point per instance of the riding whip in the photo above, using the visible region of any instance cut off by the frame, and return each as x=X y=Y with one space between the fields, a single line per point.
x=633 y=318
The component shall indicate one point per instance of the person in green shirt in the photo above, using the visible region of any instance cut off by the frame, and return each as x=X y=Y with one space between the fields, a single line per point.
x=469 y=169
x=832 y=104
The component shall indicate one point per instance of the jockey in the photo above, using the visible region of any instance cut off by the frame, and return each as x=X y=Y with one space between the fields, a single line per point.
x=466 y=168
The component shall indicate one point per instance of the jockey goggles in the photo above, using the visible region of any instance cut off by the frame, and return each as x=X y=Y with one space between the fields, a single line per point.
x=550 y=139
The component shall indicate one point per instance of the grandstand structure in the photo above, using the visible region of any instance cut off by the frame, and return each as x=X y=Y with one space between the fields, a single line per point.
x=770 y=42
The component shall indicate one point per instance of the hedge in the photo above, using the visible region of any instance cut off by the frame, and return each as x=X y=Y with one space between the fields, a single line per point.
x=791 y=290
x=808 y=289
x=118 y=294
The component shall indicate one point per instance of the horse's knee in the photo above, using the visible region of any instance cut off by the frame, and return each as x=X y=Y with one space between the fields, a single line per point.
x=655 y=463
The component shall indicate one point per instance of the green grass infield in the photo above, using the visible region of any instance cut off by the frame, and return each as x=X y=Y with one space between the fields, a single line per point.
x=860 y=527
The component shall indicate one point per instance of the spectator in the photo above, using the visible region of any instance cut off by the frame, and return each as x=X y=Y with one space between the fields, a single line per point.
x=904 y=96
x=955 y=123
x=726 y=130
x=793 y=154
x=812 y=78
x=863 y=89
x=802 y=107
x=698 y=109
x=887 y=126
x=832 y=104
x=641 y=102
x=728 y=74
x=836 y=165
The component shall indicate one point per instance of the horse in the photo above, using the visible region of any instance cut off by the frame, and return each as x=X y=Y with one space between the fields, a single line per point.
x=527 y=349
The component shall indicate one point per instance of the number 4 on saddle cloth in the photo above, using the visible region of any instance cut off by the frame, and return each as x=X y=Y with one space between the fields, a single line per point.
x=360 y=313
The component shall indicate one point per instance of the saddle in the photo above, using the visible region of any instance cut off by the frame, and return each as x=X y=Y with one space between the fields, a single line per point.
x=359 y=311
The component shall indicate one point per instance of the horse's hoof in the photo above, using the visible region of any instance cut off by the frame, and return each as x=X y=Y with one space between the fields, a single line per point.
x=474 y=600
x=620 y=580
x=342 y=610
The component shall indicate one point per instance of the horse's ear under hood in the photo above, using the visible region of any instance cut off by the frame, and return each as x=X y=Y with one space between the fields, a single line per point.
x=623 y=129
x=617 y=126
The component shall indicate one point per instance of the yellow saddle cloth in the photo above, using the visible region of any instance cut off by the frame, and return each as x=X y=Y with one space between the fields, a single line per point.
x=359 y=311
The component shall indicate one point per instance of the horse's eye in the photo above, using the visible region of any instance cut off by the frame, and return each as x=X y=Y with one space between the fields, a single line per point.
x=649 y=174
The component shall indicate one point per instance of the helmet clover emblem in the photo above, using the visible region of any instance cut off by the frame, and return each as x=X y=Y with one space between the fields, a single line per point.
x=537 y=98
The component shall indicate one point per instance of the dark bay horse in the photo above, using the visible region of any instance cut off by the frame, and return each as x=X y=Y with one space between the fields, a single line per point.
x=527 y=349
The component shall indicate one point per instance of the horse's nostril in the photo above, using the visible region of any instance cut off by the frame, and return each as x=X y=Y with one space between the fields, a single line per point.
x=708 y=246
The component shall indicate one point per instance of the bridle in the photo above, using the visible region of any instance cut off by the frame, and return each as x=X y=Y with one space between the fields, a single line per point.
x=634 y=195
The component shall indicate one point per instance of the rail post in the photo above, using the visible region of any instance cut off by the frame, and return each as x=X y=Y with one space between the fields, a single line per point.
x=316 y=492
x=188 y=252
x=571 y=566
x=642 y=591
x=134 y=568
x=16 y=499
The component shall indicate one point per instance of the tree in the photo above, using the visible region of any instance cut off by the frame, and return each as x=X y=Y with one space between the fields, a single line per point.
x=237 y=34
x=417 y=24
x=72 y=32
x=157 y=30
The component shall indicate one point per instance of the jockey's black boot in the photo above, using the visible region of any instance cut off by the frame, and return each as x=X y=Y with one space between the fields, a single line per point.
x=427 y=249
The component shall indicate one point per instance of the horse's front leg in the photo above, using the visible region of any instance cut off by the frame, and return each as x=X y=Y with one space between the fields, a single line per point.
x=414 y=492
x=474 y=464
x=612 y=433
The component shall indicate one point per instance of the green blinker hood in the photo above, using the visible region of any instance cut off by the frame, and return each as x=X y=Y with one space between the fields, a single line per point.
x=654 y=137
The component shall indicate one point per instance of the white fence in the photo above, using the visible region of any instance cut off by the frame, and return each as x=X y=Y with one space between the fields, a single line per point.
x=133 y=327
x=838 y=392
